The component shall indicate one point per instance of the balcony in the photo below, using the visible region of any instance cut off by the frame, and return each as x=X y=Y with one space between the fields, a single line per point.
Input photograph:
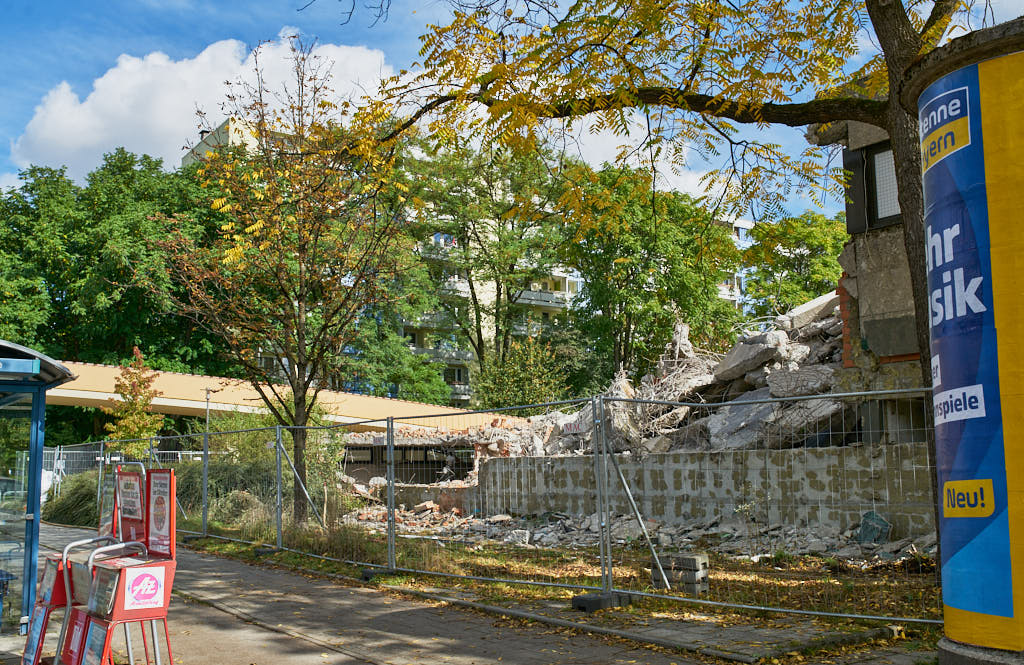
x=434 y=252
x=455 y=287
x=431 y=320
x=447 y=355
x=461 y=391
x=531 y=329
x=557 y=299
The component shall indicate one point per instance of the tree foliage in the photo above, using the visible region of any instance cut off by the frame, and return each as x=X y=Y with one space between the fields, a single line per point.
x=310 y=237
x=792 y=261
x=69 y=257
x=381 y=363
x=529 y=374
x=488 y=228
x=133 y=422
x=647 y=259
x=684 y=74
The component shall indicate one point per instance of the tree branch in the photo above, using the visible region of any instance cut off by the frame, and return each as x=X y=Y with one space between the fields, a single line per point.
x=896 y=34
x=942 y=10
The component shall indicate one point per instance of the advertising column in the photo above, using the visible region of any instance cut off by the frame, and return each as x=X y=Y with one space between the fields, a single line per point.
x=972 y=149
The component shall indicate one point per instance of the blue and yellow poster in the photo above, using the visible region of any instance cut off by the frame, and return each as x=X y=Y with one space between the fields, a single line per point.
x=972 y=154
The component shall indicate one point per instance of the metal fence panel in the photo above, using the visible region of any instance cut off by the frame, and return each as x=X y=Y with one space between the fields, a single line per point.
x=817 y=503
x=473 y=498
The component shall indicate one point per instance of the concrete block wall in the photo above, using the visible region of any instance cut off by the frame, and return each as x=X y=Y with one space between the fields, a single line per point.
x=815 y=487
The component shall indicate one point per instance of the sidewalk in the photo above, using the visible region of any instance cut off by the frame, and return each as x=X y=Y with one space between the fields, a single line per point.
x=230 y=613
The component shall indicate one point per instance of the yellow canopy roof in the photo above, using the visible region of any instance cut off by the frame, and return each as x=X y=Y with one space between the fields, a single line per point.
x=185 y=395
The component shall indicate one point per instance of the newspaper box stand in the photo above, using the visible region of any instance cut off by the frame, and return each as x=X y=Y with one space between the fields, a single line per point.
x=124 y=591
x=108 y=587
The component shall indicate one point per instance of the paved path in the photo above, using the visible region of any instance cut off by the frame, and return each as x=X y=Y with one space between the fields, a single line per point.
x=229 y=613
x=325 y=622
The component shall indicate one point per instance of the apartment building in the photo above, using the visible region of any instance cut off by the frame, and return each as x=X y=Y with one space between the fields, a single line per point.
x=731 y=288
x=229 y=132
x=436 y=333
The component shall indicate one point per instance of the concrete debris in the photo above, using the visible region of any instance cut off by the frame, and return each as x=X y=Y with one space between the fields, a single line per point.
x=751 y=353
x=809 y=380
x=734 y=536
x=808 y=312
x=722 y=400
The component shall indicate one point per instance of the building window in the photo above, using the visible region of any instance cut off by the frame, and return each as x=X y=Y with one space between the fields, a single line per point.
x=886 y=197
x=359 y=455
x=871 y=192
x=456 y=376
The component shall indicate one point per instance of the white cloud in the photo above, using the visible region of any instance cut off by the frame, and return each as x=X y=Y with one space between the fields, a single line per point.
x=9 y=181
x=148 y=105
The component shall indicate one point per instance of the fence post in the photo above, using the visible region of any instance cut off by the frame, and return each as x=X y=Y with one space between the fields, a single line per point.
x=206 y=481
x=391 y=492
x=152 y=453
x=606 y=533
x=99 y=480
x=279 y=519
x=598 y=446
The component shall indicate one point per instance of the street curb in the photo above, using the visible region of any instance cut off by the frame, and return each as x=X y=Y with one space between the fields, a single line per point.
x=833 y=640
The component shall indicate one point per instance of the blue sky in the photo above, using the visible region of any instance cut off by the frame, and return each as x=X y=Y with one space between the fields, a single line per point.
x=82 y=78
x=46 y=43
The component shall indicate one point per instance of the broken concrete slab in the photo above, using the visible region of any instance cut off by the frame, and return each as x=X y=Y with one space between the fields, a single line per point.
x=810 y=311
x=810 y=380
x=750 y=354
x=806 y=423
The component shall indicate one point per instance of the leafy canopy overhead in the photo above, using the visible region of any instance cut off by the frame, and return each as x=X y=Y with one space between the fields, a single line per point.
x=680 y=74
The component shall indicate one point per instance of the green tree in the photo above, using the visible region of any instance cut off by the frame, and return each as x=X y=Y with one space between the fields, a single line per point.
x=133 y=422
x=647 y=259
x=488 y=228
x=382 y=364
x=792 y=261
x=24 y=304
x=71 y=257
x=529 y=374
x=311 y=239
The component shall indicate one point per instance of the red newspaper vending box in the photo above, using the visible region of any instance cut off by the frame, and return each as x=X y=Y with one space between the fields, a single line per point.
x=129 y=589
x=36 y=630
x=121 y=590
x=78 y=621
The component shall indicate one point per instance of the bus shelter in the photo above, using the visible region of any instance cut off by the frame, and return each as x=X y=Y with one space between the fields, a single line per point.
x=25 y=376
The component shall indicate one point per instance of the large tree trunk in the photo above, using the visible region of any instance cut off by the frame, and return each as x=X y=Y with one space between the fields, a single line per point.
x=299 y=503
x=903 y=133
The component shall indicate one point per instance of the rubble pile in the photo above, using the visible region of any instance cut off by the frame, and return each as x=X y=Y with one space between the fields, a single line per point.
x=736 y=536
x=798 y=357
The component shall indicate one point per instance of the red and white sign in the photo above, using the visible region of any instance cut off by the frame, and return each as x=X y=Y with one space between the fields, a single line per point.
x=144 y=588
x=160 y=539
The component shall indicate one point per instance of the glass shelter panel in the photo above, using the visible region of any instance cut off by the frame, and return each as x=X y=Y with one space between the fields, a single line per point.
x=15 y=433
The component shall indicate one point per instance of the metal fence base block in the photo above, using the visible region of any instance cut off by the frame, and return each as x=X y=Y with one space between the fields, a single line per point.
x=368 y=574
x=957 y=653
x=592 y=602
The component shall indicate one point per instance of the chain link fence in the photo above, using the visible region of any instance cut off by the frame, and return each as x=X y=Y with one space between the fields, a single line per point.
x=818 y=505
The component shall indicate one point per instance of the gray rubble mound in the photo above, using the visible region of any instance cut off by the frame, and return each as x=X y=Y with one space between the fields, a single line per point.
x=722 y=402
